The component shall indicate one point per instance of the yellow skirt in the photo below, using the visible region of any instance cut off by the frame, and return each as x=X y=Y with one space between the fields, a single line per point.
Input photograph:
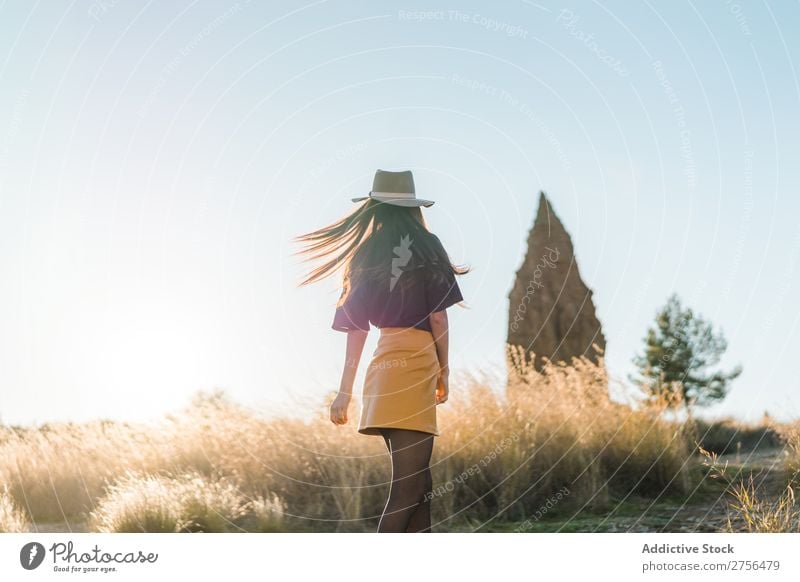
x=400 y=383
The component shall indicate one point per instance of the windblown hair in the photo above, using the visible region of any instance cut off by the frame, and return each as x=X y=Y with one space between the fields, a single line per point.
x=366 y=241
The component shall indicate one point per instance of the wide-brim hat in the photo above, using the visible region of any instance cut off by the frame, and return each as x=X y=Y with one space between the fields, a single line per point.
x=394 y=188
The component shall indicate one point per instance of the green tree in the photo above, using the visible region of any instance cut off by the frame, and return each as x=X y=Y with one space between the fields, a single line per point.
x=677 y=356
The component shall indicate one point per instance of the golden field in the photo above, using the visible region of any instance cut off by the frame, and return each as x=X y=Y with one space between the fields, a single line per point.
x=551 y=443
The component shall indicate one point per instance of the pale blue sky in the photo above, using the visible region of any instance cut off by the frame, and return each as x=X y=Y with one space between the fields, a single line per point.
x=156 y=159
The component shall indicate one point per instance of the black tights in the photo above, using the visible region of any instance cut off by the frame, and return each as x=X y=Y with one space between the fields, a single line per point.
x=408 y=507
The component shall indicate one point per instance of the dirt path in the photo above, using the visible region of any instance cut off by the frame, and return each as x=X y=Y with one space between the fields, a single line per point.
x=709 y=508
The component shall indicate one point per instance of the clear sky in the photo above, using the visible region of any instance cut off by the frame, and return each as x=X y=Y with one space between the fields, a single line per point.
x=157 y=158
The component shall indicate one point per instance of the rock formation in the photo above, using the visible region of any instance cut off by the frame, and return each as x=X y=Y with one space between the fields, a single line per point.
x=551 y=312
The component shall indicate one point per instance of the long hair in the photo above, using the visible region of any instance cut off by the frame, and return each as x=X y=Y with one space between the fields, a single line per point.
x=370 y=242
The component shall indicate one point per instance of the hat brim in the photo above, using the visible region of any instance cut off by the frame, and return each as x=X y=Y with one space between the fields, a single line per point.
x=398 y=201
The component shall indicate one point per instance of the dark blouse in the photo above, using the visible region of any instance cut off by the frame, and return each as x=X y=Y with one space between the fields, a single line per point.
x=416 y=293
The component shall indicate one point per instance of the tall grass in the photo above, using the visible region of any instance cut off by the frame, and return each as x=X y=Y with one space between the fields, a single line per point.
x=503 y=452
x=790 y=434
x=755 y=509
x=12 y=519
x=189 y=502
x=573 y=435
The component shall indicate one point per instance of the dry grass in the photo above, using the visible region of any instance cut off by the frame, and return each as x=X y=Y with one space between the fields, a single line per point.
x=756 y=511
x=189 y=502
x=755 y=508
x=220 y=466
x=570 y=435
x=762 y=515
x=12 y=519
x=790 y=434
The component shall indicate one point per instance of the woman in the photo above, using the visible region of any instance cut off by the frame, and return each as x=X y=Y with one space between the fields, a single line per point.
x=398 y=277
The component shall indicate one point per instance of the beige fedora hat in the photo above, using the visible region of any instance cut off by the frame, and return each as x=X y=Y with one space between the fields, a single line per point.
x=394 y=188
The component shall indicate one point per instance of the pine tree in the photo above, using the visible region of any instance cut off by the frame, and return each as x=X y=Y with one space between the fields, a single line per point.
x=677 y=356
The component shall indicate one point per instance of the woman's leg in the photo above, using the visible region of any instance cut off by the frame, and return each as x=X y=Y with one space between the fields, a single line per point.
x=420 y=521
x=411 y=481
x=421 y=518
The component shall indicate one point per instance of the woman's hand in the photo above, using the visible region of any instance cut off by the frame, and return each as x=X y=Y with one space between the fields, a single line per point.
x=442 y=387
x=339 y=408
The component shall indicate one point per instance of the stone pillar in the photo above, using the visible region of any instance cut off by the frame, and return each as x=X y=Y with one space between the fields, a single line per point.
x=551 y=312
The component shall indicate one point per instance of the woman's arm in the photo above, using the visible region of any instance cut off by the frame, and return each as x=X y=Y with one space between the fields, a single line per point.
x=355 y=346
x=440 y=330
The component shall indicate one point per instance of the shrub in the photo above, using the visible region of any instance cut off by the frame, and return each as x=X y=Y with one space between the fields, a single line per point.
x=189 y=502
x=728 y=435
